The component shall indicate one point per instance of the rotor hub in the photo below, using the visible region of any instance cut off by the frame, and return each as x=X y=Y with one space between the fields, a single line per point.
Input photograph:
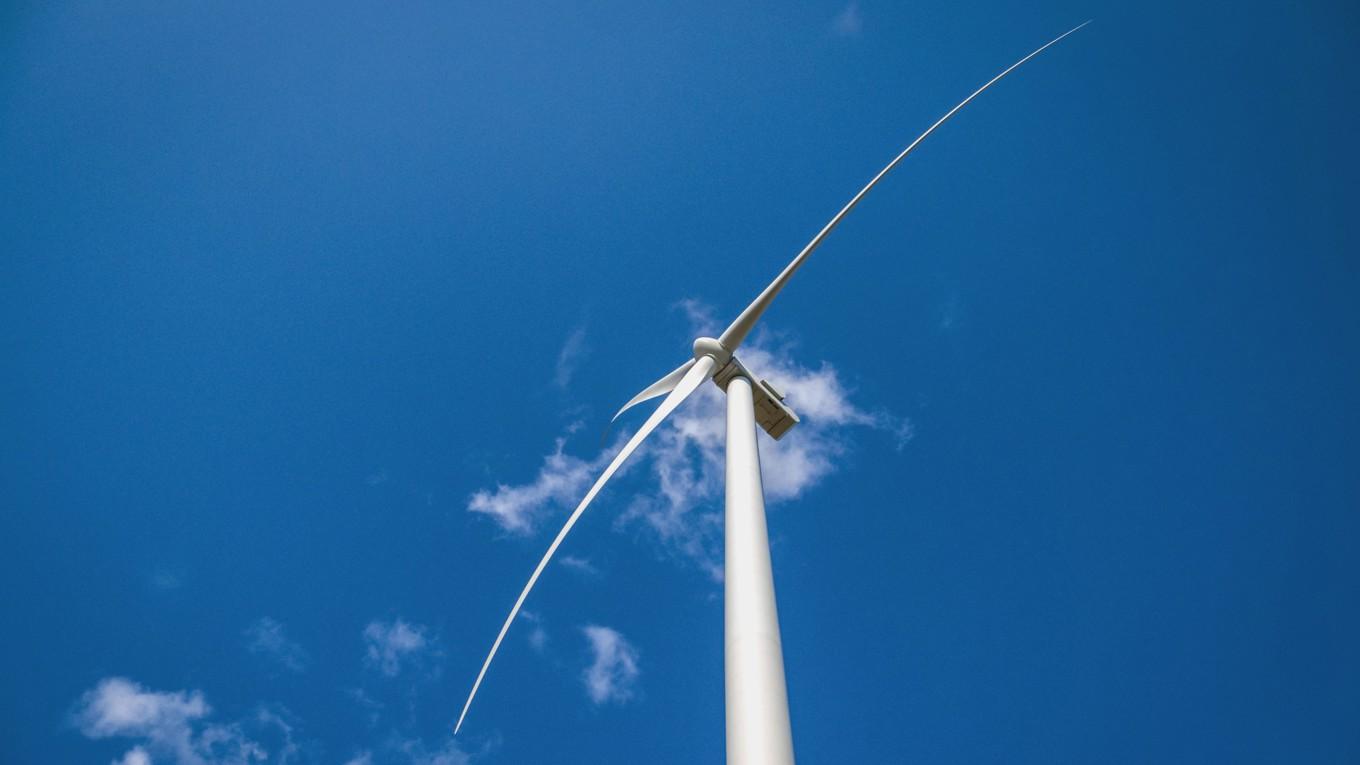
x=708 y=346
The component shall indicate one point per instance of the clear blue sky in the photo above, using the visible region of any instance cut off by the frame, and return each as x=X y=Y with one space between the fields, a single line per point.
x=283 y=292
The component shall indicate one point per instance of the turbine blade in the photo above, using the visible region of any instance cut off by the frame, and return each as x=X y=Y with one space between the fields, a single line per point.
x=698 y=372
x=736 y=333
x=662 y=386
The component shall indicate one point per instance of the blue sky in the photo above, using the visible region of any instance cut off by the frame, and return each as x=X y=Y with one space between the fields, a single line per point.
x=311 y=317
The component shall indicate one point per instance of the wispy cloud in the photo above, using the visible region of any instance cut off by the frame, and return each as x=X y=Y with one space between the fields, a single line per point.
x=613 y=672
x=538 y=636
x=574 y=351
x=401 y=749
x=177 y=728
x=560 y=482
x=165 y=581
x=849 y=22
x=266 y=637
x=173 y=727
x=392 y=647
x=579 y=565
x=371 y=707
x=416 y=752
x=681 y=506
x=404 y=749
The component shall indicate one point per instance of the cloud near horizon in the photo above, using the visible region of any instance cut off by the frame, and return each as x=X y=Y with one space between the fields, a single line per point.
x=682 y=507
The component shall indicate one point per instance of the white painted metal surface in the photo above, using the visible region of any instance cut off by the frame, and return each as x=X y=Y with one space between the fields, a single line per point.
x=758 y=730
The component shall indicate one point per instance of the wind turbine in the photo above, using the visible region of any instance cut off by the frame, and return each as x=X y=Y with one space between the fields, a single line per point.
x=757 y=704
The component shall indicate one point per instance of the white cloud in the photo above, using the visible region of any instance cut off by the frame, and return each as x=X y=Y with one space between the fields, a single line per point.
x=177 y=728
x=681 y=506
x=573 y=352
x=416 y=753
x=579 y=565
x=120 y=707
x=538 y=636
x=134 y=756
x=613 y=672
x=560 y=483
x=849 y=22
x=390 y=646
x=172 y=727
x=266 y=637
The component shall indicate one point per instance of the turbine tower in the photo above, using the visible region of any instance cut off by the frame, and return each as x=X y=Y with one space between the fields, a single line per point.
x=758 y=731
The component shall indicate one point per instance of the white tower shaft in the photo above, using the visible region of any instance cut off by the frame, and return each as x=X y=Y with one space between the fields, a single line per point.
x=757 y=702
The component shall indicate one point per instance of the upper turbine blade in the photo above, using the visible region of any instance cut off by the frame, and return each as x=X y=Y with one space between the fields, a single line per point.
x=664 y=385
x=736 y=333
x=698 y=372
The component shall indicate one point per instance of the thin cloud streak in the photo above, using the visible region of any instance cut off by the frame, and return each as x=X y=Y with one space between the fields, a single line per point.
x=579 y=565
x=574 y=352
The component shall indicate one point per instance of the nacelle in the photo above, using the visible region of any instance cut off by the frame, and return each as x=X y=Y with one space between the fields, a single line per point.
x=772 y=414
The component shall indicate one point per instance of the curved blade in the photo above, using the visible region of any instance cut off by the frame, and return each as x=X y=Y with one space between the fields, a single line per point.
x=736 y=333
x=700 y=371
x=664 y=385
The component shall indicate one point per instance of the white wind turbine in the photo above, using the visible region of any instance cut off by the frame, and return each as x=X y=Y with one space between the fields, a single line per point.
x=757 y=705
